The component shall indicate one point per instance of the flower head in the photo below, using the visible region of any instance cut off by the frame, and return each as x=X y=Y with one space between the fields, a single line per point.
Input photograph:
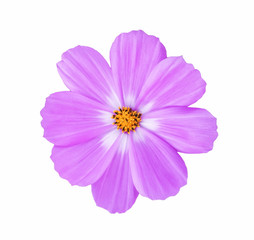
x=120 y=128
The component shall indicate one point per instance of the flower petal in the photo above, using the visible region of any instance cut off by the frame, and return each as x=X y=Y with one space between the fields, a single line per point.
x=83 y=164
x=70 y=118
x=188 y=130
x=173 y=82
x=115 y=191
x=133 y=55
x=85 y=71
x=157 y=169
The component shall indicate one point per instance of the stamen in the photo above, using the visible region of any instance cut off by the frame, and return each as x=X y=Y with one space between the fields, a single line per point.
x=126 y=119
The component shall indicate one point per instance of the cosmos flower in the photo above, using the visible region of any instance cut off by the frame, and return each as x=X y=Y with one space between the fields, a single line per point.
x=120 y=127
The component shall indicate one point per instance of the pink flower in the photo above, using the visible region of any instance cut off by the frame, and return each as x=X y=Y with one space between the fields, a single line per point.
x=145 y=95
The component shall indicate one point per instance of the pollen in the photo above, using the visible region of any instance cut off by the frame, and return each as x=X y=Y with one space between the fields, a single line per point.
x=126 y=119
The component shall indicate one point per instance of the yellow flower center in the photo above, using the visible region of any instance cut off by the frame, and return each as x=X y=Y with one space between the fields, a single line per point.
x=126 y=119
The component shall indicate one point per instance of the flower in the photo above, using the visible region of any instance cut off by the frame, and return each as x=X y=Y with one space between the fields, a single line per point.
x=145 y=95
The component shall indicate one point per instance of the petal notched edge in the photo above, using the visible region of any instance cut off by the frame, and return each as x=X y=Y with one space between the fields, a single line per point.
x=85 y=71
x=115 y=190
x=84 y=163
x=157 y=169
x=188 y=130
x=173 y=82
x=133 y=56
x=70 y=118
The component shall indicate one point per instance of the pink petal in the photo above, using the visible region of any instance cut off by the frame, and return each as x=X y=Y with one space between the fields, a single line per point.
x=85 y=71
x=115 y=191
x=188 y=130
x=70 y=118
x=133 y=55
x=84 y=164
x=157 y=169
x=173 y=82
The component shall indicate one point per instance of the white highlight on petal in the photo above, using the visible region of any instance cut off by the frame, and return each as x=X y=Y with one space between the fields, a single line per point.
x=146 y=108
x=105 y=116
x=138 y=136
x=113 y=100
x=150 y=123
x=129 y=101
x=109 y=139
x=124 y=143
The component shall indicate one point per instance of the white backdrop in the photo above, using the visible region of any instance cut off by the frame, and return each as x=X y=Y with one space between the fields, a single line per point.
x=216 y=36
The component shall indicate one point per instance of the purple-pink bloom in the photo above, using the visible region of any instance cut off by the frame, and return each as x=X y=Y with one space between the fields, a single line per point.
x=145 y=95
